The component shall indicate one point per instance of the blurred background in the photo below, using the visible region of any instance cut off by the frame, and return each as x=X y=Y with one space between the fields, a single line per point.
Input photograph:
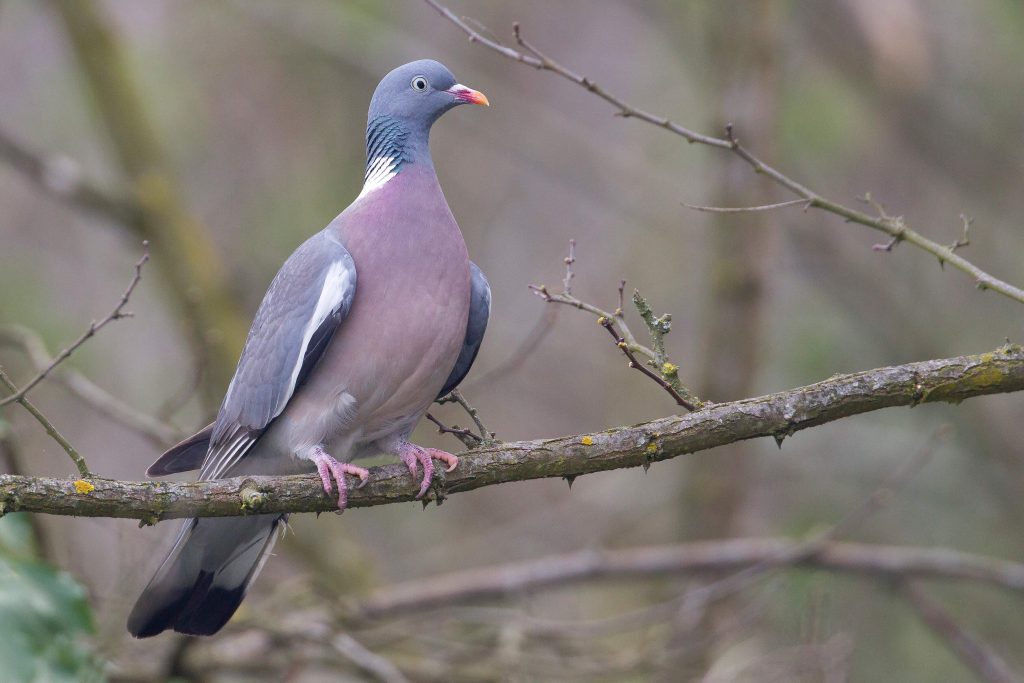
x=234 y=130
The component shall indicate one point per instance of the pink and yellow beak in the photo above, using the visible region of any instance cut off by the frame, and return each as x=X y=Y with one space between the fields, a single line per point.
x=468 y=95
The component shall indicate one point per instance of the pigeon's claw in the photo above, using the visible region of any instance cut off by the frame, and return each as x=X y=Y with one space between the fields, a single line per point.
x=413 y=455
x=328 y=467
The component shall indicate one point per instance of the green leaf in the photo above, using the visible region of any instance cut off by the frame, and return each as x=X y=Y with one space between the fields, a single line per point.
x=44 y=615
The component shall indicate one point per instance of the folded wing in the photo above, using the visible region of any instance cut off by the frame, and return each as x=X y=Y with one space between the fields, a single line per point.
x=304 y=306
x=479 y=314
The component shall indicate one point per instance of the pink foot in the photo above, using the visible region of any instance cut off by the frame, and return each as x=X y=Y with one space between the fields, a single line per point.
x=328 y=466
x=411 y=454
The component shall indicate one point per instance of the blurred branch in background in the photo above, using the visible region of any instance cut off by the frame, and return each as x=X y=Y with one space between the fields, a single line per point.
x=777 y=415
x=61 y=177
x=894 y=226
x=435 y=612
x=182 y=248
x=882 y=562
x=972 y=651
x=31 y=344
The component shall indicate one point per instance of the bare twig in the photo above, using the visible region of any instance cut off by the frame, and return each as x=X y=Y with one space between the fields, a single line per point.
x=569 y=274
x=964 y=239
x=747 y=209
x=971 y=650
x=667 y=376
x=947 y=380
x=468 y=438
x=79 y=461
x=883 y=562
x=158 y=432
x=456 y=397
x=532 y=56
x=636 y=364
x=94 y=327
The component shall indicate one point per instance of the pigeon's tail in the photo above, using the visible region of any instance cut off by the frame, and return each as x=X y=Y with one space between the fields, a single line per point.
x=205 y=576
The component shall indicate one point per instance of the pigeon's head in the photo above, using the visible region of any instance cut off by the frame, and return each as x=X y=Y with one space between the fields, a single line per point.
x=417 y=93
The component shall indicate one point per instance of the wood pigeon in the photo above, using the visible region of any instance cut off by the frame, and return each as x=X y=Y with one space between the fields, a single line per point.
x=332 y=371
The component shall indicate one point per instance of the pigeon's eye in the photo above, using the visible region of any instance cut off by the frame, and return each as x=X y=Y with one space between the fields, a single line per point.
x=419 y=83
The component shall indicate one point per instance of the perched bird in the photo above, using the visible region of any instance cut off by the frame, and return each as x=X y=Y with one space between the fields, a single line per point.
x=365 y=325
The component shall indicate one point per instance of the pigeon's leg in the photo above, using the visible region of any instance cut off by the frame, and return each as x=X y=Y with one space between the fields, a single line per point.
x=411 y=454
x=327 y=466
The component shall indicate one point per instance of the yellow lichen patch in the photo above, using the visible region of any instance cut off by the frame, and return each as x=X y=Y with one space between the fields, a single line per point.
x=587 y=441
x=82 y=486
x=652 y=448
x=669 y=368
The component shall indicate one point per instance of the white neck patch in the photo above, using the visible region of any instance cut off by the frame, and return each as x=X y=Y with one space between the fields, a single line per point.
x=378 y=173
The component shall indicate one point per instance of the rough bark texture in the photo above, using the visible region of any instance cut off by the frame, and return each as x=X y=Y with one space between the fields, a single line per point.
x=777 y=415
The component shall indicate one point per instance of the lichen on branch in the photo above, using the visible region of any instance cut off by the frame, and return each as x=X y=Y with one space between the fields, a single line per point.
x=777 y=415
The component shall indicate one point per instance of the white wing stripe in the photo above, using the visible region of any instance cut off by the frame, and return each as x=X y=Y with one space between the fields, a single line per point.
x=336 y=285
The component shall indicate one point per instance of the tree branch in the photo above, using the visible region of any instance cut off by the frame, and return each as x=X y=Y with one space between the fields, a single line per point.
x=875 y=560
x=61 y=178
x=892 y=226
x=79 y=461
x=779 y=415
x=667 y=376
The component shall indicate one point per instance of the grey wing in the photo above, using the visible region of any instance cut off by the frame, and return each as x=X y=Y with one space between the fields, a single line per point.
x=479 y=313
x=305 y=304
